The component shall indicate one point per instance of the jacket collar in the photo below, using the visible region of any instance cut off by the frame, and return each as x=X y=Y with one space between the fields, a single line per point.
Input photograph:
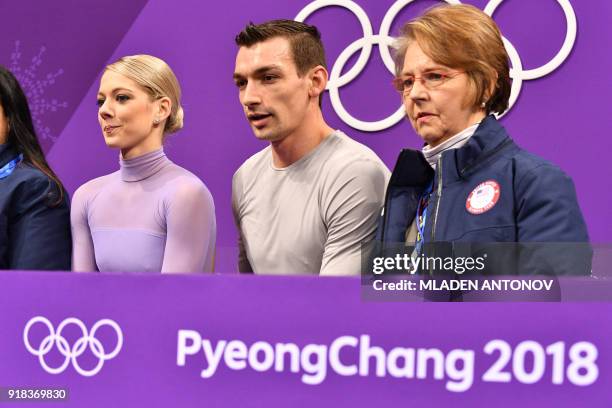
x=490 y=136
x=412 y=169
x=7 y=153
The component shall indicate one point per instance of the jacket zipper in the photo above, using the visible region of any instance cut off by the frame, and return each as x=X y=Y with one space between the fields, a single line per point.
x=439 y=190
x=438 y=198
x=439 y=194
x=385 y=215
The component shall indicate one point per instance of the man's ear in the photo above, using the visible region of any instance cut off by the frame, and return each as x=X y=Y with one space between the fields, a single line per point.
x=318 y=81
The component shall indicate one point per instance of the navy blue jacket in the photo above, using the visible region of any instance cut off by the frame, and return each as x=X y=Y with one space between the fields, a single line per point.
x=34 y=234
x=536 y=203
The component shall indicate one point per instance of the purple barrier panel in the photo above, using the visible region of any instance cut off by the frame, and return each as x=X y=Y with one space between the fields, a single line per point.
x=190 y=341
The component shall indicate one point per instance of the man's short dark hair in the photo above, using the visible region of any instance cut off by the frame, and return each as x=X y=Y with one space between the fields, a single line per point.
x=304 y=40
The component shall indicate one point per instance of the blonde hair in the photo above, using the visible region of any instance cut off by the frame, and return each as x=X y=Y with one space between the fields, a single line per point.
x=462 y=37
x=157 y=79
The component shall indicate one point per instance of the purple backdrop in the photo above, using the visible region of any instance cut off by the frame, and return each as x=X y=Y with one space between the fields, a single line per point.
x=61 y=49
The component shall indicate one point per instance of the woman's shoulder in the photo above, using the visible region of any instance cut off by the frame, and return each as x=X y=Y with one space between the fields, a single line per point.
x=185 y=177
x=29 y=185
x=186 y=185
x=29 y=179
x=536 y=175
x=27 y=172
x=527 y=163
x=93 y=186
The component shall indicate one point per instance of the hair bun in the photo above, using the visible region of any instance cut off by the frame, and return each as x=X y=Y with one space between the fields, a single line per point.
x=175 y=121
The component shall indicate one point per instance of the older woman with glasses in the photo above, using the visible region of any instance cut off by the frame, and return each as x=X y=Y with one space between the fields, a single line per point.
x=470 y=182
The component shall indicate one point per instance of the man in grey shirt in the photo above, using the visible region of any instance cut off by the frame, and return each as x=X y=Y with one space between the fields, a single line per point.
x=305 y=203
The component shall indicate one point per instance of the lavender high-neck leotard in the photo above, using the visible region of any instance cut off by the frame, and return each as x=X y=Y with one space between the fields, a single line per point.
x=149 y=216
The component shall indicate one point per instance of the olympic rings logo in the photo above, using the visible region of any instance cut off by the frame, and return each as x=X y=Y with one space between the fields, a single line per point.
x=87 y=340
x=384 y=41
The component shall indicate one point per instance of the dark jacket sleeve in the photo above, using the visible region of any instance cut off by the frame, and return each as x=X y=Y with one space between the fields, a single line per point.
x=39 y=233
x=548 y=209
x=548 y=214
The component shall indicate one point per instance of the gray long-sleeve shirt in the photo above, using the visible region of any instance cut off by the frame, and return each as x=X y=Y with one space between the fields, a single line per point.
x=312 y=216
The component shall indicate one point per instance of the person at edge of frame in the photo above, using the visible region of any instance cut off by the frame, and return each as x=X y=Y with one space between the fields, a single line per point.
x=151 y=215
x=305 y=203
x=34 y=211
x=472 y=190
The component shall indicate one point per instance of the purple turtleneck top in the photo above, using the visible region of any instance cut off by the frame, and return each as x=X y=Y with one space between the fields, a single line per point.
x=150 y=216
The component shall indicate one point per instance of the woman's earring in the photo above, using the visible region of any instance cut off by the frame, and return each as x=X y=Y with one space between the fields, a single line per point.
x=156 y=122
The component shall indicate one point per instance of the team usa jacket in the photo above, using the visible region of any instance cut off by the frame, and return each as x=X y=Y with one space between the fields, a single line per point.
x=34 y=233
x=488 y=191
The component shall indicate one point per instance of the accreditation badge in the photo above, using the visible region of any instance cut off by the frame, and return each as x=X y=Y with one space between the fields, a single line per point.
x=483 y=197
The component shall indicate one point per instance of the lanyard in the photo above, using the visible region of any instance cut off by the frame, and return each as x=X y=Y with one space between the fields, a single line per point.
x=8 y=168
x=421 y=217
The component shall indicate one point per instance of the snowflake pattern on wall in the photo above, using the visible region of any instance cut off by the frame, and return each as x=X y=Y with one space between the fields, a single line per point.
x=34 y=85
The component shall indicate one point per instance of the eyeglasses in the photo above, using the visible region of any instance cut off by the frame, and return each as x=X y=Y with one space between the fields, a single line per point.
x=429 y=80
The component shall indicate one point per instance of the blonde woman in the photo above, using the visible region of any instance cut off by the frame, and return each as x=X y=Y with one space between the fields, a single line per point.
x=151 y=215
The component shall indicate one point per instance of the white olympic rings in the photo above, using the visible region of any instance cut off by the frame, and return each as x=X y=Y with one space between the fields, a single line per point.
x=384 y=41
x=79 y=347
